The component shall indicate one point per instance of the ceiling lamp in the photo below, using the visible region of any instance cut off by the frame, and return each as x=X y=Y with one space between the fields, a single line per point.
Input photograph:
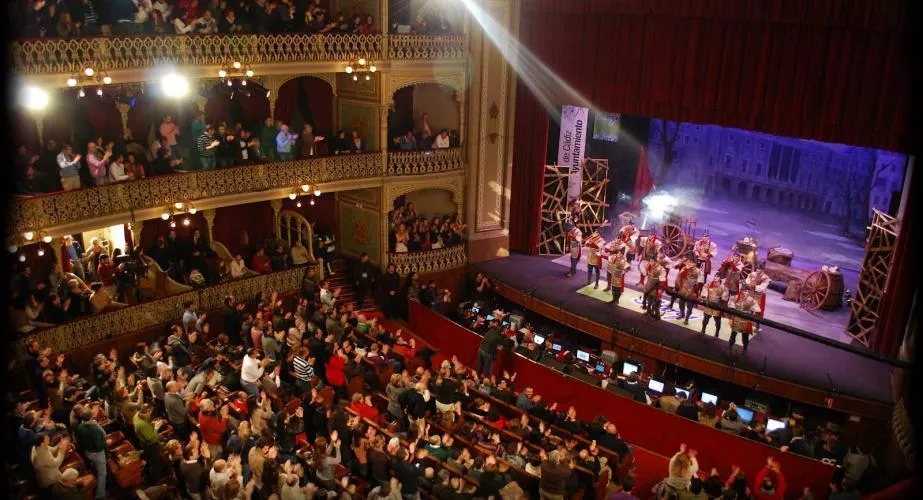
x=22 y=258
x=186 y=221
x=349 y=68
x=249 y=73
x=222 y=73
x=71 y=82
x=172 y=223
x=47 y=239
x=361 y=61
x=298 y=204
x=28 y=235
x=41 y=252
x=372 y=68
x=292 y=196
x=312 y=202
x=317 y=192
x=89 y=77
x=192 y=209
x=305 y=187
x=89 y=71
x=178 y=205
x=235 y=69
x=236 y=64
x=165 y=215
x=360 y=65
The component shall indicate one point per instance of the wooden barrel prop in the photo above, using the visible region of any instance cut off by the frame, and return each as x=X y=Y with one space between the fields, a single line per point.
x=834 y=298
x=780 y=255
x=793 y=292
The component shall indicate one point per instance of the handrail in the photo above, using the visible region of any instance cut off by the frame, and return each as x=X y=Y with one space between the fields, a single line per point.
x=32 y=213
x=425 y=162
x=71 y=55
x=89 y=329
x=428 y=261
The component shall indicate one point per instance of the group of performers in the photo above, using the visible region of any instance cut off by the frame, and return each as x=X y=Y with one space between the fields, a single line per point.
x=725 y=288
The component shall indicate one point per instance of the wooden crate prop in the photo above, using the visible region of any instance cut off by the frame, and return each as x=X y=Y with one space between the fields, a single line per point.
x=873 y=277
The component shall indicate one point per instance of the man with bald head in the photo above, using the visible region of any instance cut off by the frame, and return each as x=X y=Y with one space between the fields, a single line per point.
x=175 y=406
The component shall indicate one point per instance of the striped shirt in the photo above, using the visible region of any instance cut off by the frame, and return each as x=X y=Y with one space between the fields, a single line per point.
x=303 y=370
x=203 y=143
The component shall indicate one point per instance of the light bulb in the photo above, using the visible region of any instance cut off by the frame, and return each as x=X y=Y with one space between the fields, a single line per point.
x=71 y=82
x=222 y=73
x=165 y=215
x=305 y=187
x=230 y=83
x=22 y=258
x=292 y=196
x=298 y=204
x=47 y=239
x=250 y=73
x=12 y=248
x=312 y=203
x=372 y=68
x=236 y=65
x=99 y=92
x=107 y=80
x=88 y=72
x=186 y=221
x=81 y=93
x=178 y=205
x=267 y=93
x=41 y=252
x=349 y=68
x=361 y=61
x=367 y=77
x=193 y=210
x=317 y=192
x=243 y=82
x=28 y=235
x=355 y=78
x=172 y=223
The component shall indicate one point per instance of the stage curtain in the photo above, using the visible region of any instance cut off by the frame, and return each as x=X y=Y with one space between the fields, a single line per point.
x=647 y=428
x=528 y=171
x=104 y=116
x=894 y=312
x=255 y=109
x=286 y=102
x=139 y=119
x=320 y=99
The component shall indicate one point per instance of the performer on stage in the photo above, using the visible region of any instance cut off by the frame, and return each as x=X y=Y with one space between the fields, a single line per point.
x=573 y=243
x=594 y=244
x=704 y=250
x=744 y=303
x=730 y=271
x=628 y=234
x=617 y=267
x=757 y=282
x=715 y=292
x=613 y=248
x=687 y=288
x=649 y=248
x=681 y=265
x=655 y=282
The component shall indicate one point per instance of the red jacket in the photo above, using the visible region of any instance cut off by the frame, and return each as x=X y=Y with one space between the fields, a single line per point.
x=261 y=264
x=779 y=481
x=106 y=274
x=335 y=374
x=364 y=410
x=212 y=429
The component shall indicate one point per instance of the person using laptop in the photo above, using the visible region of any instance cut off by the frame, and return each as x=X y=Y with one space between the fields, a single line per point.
x=670 y=401
x=636 y=388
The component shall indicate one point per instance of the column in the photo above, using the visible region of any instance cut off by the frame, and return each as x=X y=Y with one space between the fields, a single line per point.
x=123 y=110
x=276 y=208
x=56 y=245
x=384 y=27
x=383 y=139
x=209 y=216
x=39 y=117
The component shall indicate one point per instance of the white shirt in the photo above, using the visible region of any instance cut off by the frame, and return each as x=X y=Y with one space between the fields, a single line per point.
x=441 y=142
x=251 y=370
x=326 y=297
x=238 y=268
x=117 y=172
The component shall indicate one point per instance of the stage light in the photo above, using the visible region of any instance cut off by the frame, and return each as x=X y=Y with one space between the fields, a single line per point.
x=222 y=73
x=236 y=65
x=71 y=82
x=178 y=205
x=34 y=98
x=22 y=258
x=349 y=68
x=175 y=85
x=41 y=252
x=107 y=80
x=165 y=215
x=28 y=235
x=47 y=239
x=89 y=71
x=361 y=61
x=372 y=68
x=305 y=187
x=317 y=192
x=186 y=221
x=292 y=196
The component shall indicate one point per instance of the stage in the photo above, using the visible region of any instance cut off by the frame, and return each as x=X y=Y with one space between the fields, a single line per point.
x=787 y=357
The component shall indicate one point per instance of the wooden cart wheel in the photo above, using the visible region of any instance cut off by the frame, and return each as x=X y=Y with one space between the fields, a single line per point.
x=814 y=291
x=674 y=240
x=746 y=269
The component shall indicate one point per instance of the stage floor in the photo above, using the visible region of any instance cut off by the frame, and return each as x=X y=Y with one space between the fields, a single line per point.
x=786 y=356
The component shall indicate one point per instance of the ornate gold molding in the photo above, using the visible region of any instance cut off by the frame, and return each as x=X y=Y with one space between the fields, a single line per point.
x=454 y=183
x=427 y=47
x=85 y=331
x=430 y=261
x=42 y=212
x=426 y=162
x=455 y=79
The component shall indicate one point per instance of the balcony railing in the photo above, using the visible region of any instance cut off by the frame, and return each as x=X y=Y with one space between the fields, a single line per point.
x=425 y=162
x=63 y=207
x=427 y=47
x=87 y=330
x=63 y=55
x=429 y=261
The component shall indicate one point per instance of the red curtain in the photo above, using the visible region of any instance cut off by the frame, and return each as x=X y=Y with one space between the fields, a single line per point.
x=320 y=97
x=649 y=429
x=155 y=228
x=528 y=171
x=104 y=116
x=217 y=109
x=139 y=119
x=254 y=219
x=903 y=282
x=827 y=69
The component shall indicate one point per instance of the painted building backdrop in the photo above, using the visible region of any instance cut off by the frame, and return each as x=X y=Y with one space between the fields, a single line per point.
x=842 y=182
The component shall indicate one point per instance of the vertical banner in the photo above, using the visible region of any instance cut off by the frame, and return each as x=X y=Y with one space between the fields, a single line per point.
x=571 y=146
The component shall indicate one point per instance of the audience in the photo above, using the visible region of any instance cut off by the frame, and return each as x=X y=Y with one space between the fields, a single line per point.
x=410 y=232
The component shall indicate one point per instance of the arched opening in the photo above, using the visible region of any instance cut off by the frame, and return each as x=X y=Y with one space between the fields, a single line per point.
x=770 y=195
x=244 y=105
x=423 y=220
x=756 y=193
x=307 y=100
x=424 y=109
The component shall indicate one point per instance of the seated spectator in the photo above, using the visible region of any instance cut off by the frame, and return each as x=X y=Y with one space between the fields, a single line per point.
x=442 y=140
x=408 y=142
x=299 y=254
x=368 y=27
x=261 y=263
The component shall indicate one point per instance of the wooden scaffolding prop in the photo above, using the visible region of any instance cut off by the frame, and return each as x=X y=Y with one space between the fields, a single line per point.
x=593 y=203
x=873 y=277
